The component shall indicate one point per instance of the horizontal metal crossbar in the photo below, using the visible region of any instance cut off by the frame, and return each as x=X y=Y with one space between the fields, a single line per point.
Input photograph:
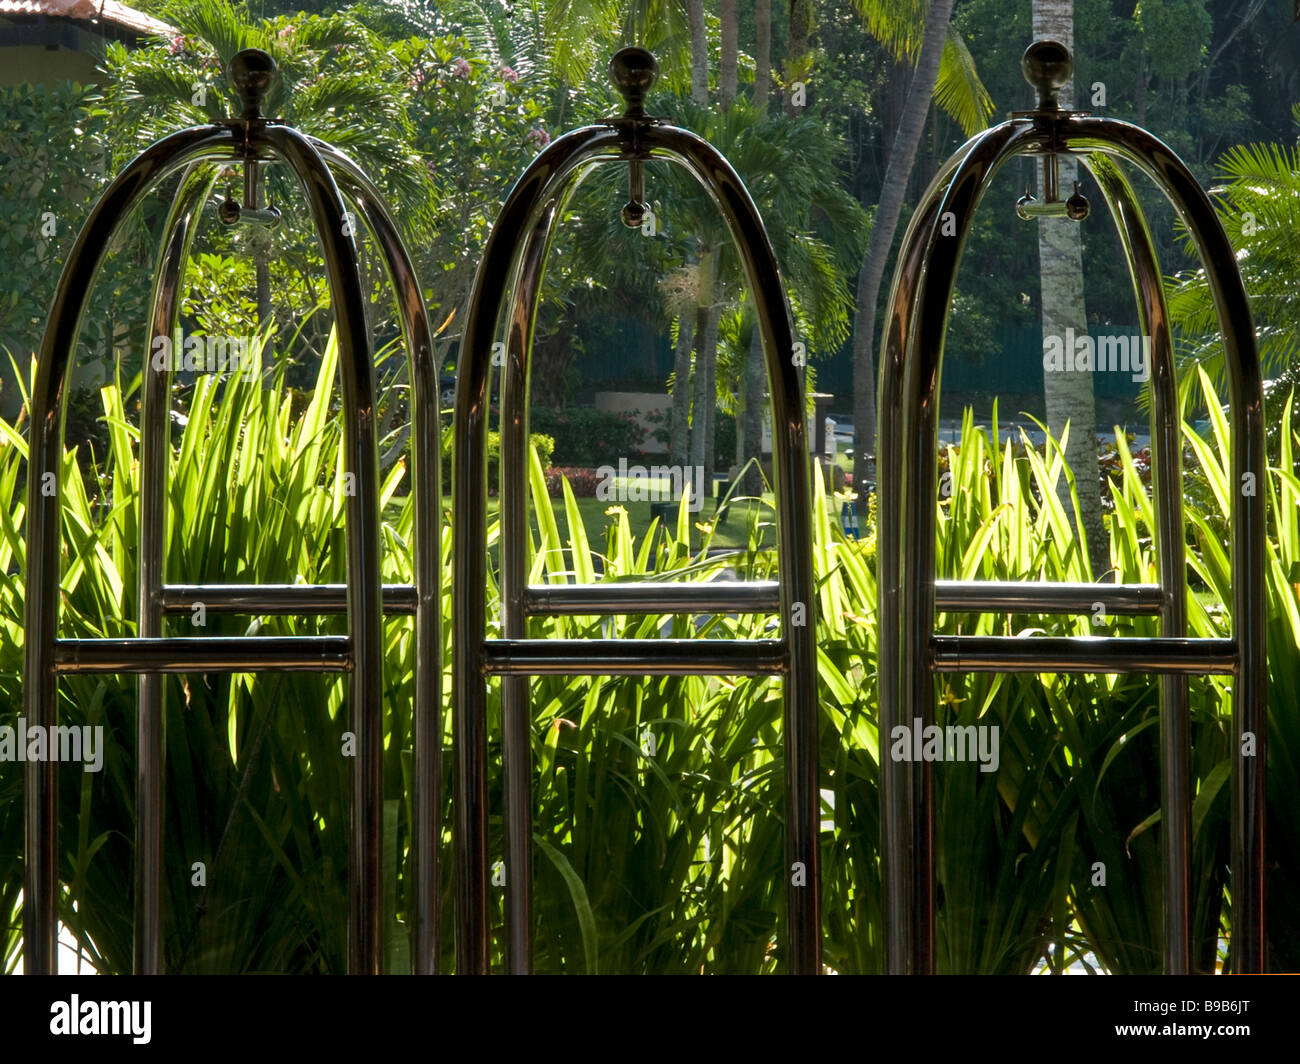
x=968 y=653
x=316 y=653
x=1010 y=596
x=635 y=657
x=713 y=596
x=266 y=600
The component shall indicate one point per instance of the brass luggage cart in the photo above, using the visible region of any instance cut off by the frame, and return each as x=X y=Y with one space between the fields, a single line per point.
x=508 y=284
x=909 y=594
x=338 y=193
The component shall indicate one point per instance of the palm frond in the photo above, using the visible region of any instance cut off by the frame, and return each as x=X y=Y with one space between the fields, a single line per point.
x=959 y=92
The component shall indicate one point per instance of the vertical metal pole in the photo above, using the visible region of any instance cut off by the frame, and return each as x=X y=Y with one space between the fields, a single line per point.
x=792 y=464
x=931 y=279
x=45 y=454
x=426 y=836
x=1249 y=470
x=516 y=739
x=534 y=196
x=896 y=783
x=178 y=234
x=365 y=602
x=1167 y=497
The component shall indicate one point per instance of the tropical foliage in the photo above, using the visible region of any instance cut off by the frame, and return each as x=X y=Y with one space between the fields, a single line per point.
x=684 y=773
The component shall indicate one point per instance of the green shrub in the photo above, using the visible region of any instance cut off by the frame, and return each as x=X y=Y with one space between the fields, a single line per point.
x=585 y=437
x=657 y=802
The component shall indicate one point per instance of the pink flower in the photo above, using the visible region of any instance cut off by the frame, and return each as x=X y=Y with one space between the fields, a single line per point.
x=286 y=33
x=460 y=68
x=177 y=45
x=538 y=137
x=509 y=74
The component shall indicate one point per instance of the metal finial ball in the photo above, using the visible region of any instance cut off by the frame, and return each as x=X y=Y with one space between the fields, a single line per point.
x=1047 y=66
x=633 y=70
x=1077 y=206
x=228 y=211
x=251 y=73
x=634 y=214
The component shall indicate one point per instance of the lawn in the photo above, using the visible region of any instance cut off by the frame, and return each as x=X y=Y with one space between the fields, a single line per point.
x=731 y=533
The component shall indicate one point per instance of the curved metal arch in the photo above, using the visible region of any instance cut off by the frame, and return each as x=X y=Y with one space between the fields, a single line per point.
x=45 y=455
x=230 y=144
x=426 y=476
x=178 y=235
x=909 y=411
x=1166 y=476
x=1247 y=516
x=533 y=208
x=365 y=589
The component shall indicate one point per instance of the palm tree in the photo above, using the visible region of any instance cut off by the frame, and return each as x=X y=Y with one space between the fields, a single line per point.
x=764 y=149
x=1069 y=396
x=1260 y=208
x=945 y=71
x=333 y=83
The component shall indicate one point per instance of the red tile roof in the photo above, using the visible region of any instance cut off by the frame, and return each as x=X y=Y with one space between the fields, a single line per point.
x=89 y=11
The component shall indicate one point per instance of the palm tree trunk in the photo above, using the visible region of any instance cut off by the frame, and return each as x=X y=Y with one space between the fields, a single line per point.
x=1069 y=396
x=696 y=454
x=705 y=399
x=762 y=51
x=699 y=52
x=902 y=156
x=710 y=411
x=679 y=432
x=727 y=68
x=797 y=43
x=755 y=394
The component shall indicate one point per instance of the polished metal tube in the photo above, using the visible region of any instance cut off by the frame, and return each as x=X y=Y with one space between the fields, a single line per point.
x=635 y=657
x=1249 y=558
x=1092 y=654
x=425 y=598
x=45 y=454
x=270 y=600
x=516 y=731
x=516 y=728
x=508 y=266
x=319 y=653
x=713 y=596
x=542 y=185
x=1167 y=491
x=365 y=606
x=1012 y=596
x=155 y=424
x=897 y=779
x=915 y=423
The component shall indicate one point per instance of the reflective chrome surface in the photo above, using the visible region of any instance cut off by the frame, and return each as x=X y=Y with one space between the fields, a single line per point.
x=248 y=142
x=916 y=321
x=506 y=289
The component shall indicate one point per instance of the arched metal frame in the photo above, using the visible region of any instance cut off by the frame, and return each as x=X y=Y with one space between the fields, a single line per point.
x=909 y=594
x=333 y=183
x=507 y=284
